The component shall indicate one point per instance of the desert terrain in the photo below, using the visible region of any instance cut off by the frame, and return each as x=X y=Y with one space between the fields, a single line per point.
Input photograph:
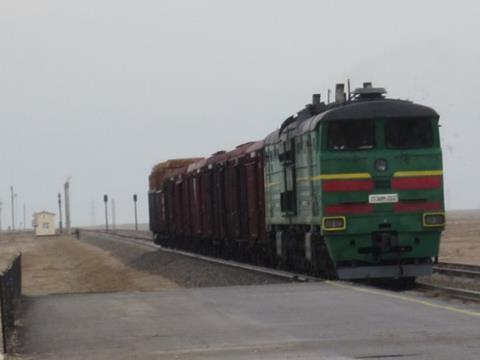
x=461 y=239
x=62 y=264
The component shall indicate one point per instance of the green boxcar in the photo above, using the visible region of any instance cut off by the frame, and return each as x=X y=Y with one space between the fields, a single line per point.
x=354 y=189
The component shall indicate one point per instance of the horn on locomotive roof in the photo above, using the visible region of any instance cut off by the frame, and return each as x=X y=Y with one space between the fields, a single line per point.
x=315 y=99
x=369 y=92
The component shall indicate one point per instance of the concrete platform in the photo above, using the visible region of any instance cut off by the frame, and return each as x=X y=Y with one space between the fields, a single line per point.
x=288 y=321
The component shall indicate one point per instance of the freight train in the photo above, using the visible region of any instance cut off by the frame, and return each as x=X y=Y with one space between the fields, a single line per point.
x=351 y=189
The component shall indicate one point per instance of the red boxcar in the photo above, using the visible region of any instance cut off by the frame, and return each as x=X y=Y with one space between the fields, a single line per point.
x=214 y=204
x=216 y=166
x=254 y=163
x=193 y=172
x=159 y=199
x=236 y=202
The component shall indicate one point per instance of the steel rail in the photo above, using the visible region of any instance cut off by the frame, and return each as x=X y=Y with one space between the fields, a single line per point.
x=457 y=270
x=463 y=294
x=445 y=264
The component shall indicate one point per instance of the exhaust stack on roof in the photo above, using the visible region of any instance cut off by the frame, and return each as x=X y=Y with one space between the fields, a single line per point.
x=340 y=97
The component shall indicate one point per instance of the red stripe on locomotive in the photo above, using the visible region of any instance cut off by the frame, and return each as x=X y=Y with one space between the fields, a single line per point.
x=405 y=206
x=348 y=185
x=346 y=209
x=417 y=183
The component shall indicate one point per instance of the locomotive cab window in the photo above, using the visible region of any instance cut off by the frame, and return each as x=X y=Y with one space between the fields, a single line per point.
x=408 y=133
x=351 y=135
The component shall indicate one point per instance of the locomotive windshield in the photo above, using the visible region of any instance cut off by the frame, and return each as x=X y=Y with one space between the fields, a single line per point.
x=408 y=133
x=351 y=135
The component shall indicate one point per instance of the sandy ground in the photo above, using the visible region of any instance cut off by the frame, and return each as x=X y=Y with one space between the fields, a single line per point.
x=62 y=264
x=461 y=239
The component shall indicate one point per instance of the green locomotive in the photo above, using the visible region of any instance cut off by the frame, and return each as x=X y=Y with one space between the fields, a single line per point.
x=354 y=189
x=351 y=189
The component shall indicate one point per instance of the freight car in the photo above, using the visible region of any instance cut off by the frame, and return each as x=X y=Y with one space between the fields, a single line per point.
x=351 y=189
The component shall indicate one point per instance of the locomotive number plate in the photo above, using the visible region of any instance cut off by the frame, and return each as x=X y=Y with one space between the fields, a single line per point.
x=383 y=198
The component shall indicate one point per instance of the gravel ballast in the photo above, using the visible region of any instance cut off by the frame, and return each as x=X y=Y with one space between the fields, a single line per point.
x=182 y=270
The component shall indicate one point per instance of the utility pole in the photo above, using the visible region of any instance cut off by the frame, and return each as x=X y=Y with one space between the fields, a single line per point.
x=105 y=200
x=15 y=199
x=1 y=204
x=113 y=214
x=24 y=217
x=135 y=209
x=60 y=224
x=13 y=207
x=67 y=205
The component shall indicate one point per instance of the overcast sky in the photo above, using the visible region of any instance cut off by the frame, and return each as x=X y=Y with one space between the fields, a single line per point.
x=102 y=90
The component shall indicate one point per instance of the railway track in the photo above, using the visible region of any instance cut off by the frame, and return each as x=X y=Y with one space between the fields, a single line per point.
x=453 y=270
x=458 y=270
x=457 y=293
x=427 y=288
x=148 y=243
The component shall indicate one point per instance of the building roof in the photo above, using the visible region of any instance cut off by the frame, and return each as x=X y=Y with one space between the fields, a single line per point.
x=44 y=212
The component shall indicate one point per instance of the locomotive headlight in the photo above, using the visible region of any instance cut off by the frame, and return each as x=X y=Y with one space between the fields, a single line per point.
x=381 y=165
x=334 y=223
x=434 y=219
